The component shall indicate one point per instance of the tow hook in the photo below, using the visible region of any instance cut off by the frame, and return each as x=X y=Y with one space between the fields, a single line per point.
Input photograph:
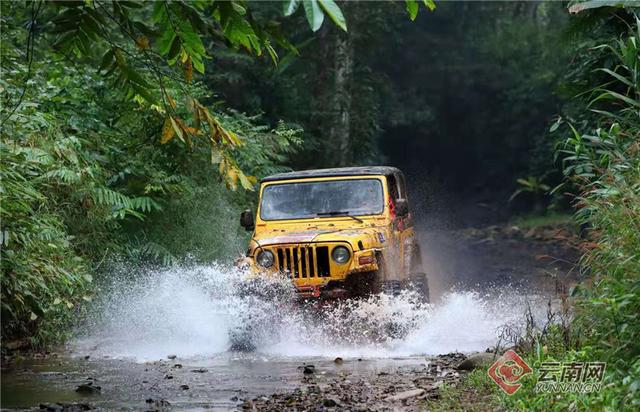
x=309 y=291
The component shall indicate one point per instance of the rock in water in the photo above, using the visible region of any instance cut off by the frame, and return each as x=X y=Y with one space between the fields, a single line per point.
x=476 y=361
x=51 y=407
x=65 y=407
x=338 y=361
x=330 y=403
x=88 y=389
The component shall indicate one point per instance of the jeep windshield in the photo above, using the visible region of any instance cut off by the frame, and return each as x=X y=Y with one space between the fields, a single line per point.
x=304 y=200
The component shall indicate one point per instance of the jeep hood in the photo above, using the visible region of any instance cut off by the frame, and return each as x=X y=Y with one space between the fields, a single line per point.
x=369 y=235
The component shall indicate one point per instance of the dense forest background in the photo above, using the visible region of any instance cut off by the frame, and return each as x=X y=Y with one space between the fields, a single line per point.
x=461 y=98
x=137 y=131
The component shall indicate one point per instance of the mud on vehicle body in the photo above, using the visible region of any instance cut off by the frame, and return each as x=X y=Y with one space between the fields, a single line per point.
x=336 y=232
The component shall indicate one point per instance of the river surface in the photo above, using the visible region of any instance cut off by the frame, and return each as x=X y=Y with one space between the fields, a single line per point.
x=218 y=382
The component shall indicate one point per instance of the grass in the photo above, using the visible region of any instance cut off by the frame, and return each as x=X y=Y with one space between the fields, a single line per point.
x=476 y=392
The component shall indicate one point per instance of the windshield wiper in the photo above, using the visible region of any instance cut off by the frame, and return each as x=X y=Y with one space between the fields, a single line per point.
x=340 y=213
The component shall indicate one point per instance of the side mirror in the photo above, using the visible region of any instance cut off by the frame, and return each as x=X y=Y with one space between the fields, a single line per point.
x=402 y=207
x=246 y=220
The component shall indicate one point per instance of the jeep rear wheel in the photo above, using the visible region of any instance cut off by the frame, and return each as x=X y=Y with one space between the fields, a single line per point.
x=419 y=283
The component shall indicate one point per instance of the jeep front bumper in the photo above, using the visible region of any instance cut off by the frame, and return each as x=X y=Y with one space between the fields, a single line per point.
x=311 y=267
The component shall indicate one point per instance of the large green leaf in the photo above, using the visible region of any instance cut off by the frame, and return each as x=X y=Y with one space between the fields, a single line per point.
x=594 y=4
x=412 y=8
x=333 y=11
x=431 y=5
x=190 y=39
x=610 y=94
x=290 y=6
x=314 y=14
x=617 y=76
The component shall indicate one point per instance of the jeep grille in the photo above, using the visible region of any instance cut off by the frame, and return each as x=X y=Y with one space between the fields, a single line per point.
x=304 y=261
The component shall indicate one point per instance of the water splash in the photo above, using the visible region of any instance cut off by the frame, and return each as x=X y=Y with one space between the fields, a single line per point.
x=469 y=321
x=198 y=311
x=148 y=314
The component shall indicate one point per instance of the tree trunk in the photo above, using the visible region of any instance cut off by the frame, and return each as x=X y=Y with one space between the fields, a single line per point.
x=341 y=102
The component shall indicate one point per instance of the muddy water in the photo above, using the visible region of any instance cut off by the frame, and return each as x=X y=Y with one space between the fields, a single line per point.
x=143 y=317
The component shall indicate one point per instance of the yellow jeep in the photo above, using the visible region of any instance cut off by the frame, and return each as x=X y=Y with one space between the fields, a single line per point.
x=336 y=232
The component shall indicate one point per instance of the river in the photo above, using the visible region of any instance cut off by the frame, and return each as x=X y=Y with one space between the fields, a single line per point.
x=160 y=338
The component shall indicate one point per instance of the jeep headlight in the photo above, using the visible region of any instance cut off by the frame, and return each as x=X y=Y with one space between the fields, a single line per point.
x=265 y=258
x=340 y=255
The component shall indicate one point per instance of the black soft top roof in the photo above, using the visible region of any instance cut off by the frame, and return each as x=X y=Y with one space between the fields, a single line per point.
x=340 y=171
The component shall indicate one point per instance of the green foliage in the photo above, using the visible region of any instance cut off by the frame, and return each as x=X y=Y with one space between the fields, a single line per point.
x=85 y=175
x=42 y=278
x=601 y=162
x=64 y=195
x=197 y=223
x=143 y=46
x=605 y=163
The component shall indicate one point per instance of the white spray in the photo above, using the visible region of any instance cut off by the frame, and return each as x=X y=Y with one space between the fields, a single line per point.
x=196 y=311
